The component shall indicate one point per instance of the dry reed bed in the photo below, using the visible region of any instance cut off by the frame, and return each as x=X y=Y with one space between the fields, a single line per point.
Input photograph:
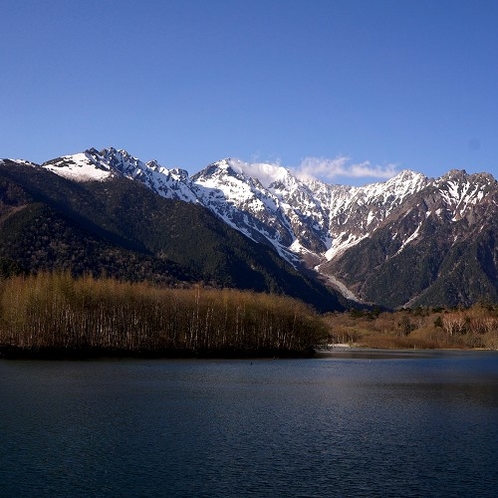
x=55 y=312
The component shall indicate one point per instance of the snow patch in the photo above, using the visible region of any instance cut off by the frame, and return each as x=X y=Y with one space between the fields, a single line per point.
x=79 y=167
x=347 y=293
x=342 y=243
x=23 y=161
x=412 y=237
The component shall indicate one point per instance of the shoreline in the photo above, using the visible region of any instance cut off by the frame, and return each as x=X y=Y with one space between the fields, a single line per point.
x=352 y=351
x=330 y=351
x=81 y=354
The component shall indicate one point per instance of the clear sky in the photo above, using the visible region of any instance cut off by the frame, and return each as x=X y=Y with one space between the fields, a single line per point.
x=352 y=90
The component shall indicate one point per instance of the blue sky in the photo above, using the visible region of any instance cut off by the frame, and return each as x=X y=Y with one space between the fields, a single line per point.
x=352 y=90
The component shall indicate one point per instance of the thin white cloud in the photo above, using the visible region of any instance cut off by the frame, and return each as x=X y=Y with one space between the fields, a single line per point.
x=341 y=166
x=266 y=173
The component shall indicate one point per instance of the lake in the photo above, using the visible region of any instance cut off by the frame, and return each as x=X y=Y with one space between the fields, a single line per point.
x=363 y=424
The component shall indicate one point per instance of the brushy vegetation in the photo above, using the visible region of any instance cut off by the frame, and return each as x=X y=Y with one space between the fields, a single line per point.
x=422 y=328
x=56 y=314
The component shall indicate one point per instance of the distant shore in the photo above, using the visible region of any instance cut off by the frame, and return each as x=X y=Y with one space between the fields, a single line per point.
x=362 y=351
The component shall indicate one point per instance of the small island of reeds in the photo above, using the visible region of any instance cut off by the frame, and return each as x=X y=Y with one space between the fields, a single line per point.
x=54 y=315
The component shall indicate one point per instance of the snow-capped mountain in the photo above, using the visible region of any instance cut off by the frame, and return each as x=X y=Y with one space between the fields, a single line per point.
x=349 y=234
x=93 y=165
x=439 y=246
x=301 y=218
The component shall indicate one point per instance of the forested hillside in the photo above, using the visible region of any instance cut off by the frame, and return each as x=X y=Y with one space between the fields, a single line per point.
x=119 y=228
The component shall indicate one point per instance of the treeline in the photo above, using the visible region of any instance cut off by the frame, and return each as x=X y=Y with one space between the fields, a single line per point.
x=56 y=314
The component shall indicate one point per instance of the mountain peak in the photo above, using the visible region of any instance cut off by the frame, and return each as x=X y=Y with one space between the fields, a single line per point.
x=216 y=169
x=454 y=174
x=462 y=175
x=407 y=181
x=409 y=175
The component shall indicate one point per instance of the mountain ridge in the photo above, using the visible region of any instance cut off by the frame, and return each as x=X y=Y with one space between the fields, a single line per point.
x=120 y=228
x=293 y=204
x=352 y=236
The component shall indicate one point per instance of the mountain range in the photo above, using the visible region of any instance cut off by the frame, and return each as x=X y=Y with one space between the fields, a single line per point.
x=409 y=241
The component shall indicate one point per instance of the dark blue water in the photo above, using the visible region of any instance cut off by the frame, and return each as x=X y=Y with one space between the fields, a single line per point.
x=339 y=426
